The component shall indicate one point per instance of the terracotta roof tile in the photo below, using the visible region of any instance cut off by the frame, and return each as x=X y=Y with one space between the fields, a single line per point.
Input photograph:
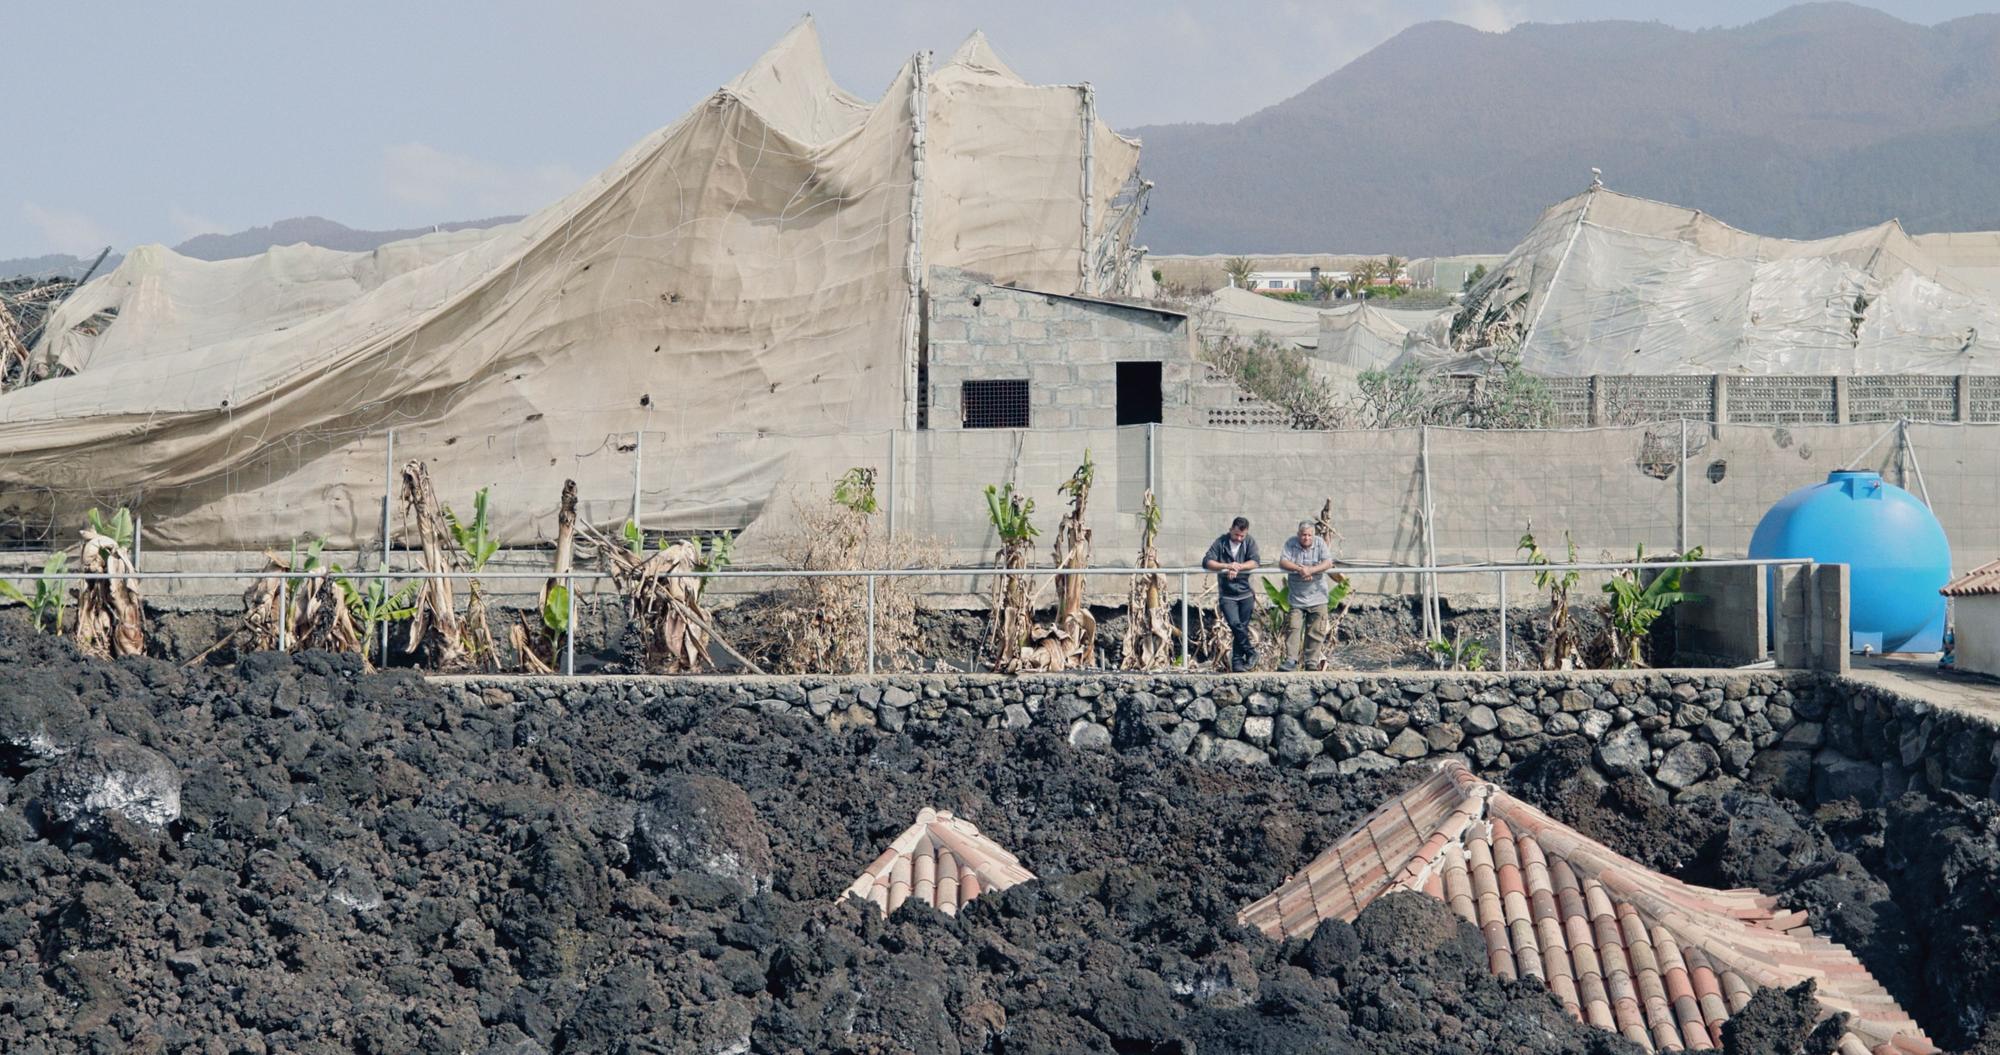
x=1662 y=962
x=941 y=861
x=1980 y=580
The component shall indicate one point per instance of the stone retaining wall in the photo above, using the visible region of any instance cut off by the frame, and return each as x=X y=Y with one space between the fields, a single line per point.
x=1872 y=744
x=1682 y=728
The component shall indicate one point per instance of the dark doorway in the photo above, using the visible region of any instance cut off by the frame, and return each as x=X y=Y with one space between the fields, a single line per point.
x=1138 y=393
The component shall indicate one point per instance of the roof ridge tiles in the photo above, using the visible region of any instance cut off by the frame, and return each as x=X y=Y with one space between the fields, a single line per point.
x=1624 y=948
x=942 y=861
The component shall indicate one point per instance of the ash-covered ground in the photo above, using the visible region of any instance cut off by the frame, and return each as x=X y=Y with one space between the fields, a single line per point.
x=360 y=865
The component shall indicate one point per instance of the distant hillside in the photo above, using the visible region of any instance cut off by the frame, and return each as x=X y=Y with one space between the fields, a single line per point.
x=1819 y=119
x=312 y=230
x=54 y=265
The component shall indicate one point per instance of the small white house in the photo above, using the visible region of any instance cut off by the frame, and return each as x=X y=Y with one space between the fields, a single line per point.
x=1291 y=281
x=1975 y=605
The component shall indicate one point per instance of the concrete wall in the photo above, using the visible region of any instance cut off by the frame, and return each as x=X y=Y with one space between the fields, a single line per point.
x=1775 y=399
x=1727 y=622
x=1612 y=489
x=1066 y=348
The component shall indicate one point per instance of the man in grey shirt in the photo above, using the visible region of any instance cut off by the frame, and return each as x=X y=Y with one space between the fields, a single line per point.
x=1305 y=559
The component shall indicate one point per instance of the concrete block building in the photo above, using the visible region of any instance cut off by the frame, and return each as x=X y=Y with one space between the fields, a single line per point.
x=998 y=356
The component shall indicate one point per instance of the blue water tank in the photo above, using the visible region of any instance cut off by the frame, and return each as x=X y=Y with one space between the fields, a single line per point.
x=1895 y=550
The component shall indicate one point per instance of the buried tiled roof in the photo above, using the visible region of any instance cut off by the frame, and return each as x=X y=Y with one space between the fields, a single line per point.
x=1980 y=580
x=941 y=861
x=1624 y=948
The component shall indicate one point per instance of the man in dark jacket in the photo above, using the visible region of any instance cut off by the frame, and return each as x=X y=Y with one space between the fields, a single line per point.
x=1232 y=558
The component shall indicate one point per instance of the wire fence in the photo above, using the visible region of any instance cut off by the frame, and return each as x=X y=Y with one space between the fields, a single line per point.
x=1187 y=577
x=1409 y=496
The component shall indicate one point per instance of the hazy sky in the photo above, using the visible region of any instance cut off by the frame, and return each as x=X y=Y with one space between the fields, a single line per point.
x=163 y=121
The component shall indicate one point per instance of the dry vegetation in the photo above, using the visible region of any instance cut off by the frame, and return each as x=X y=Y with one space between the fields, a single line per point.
x=1071 y=641
x=539 y=643
x=663 y=594
x=436 y=633
x=110 y=621
x=817 y=624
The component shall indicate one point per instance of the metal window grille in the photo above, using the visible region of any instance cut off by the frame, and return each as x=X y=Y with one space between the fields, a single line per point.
x=995 y=404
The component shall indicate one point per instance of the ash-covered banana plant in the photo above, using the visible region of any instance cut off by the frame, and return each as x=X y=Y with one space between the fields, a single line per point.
x=538 y=645
x=1149 y=632
x=50 y=600
x=663 y=589
x=1561 y=647
x=110 y=618
x=1071 y=641
x=1011 y=515
x=373 y=605
x=476 y=546
x=1633 y=605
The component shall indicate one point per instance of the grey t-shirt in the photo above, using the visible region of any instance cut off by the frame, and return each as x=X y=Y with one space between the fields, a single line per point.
x=1306 y=591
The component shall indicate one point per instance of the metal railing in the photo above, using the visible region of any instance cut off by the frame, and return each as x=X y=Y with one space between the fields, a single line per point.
x=1500 y=572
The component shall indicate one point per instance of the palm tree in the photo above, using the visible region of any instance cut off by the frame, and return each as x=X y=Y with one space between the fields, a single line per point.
x=1239 y=269
x=1392 y=268
x=1364 y=276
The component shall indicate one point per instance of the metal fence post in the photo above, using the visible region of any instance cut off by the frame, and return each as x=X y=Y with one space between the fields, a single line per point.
x=870 y=668
x=1681 y=532
x=569 y=639
x=138 y=539
x=1503 y=622
x=1433 y=628
x=284 y=614
x=889 y=491
x=388 y=490
x=1184 y=620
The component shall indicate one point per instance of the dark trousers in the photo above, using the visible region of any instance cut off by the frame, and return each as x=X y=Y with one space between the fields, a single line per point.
x=1237 y=612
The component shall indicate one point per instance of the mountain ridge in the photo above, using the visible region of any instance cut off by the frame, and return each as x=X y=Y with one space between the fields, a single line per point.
x=1449 y=139
x=312 y=230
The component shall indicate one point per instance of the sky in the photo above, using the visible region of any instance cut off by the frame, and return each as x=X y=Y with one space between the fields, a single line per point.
x=156 y=122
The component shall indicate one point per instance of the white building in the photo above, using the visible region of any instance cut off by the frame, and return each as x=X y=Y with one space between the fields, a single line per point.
x=1975 y=605
x=1291 y=281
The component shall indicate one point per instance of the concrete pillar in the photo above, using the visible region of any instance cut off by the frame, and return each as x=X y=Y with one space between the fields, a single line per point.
x=1812 y=629
x=1833 y=644
x=1841 y=394
x=1964 y=410
x=1719 y=404
x=1596 y=399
